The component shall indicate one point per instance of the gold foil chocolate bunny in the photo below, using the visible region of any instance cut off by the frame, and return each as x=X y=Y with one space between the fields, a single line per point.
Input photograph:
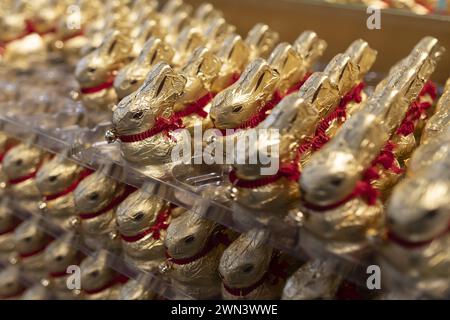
x=418 y=214
x=20 y=46
x=339 y=201
x=21 y=164
x=251 y=270
x=136 y=290
x=6 y=143
x=57 y=181
x=37 y=292
x=316 y=279
x=8 y=224
x=58 y=256
x=98 y=280
x=190 y=38
x=440 y=121
x=96 y=198
x=263 y=84
x=144 y=121
x=239 y=105
x=142 y=220
x=96 y=71
x=11 y=287
x=305 y=120
x=131 y=77
x=31 y=242
x=194 y=246
x=199 y=72
x=235 y=54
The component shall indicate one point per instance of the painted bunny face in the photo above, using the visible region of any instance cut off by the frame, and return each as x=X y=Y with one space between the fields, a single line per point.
x=138 y=111
x=56 y=175
x=326 y=180
x=100 y=65
x=187 y=235
x=132 y=76
x=138 y=212
x=61 y=253
x=246 y=260
x=10 y=282
x=200 y=70
x=248 y=95
x=419 y=208
x=95 y=272
x=29 y=237
x=95 y=192
x=22 y=160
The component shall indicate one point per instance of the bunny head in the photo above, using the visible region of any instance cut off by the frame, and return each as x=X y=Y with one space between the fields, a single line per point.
x=132 y=76
x=200 y=70
x=187 y=235
x=246 y=260
x=238 y=103
x=138 y=111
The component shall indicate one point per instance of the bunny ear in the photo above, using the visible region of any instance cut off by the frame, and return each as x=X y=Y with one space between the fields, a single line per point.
x=154 y=51
x=343 y=72
x=203 y=64
x=115 y=45
x=259 y=77
x=189 y=39
x=235 y=49
x=163 y=82
x=262 y=39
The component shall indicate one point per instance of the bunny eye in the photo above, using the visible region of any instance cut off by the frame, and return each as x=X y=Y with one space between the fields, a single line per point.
x=237 y=108
x=95 y=273
x=133 y=81
x=336 y=181
x=91 y=69
x=247 y=268
x=59 y=258
x=52 y=178
x=138 y=216
x=189 y=239
x=138 y=115
x=19 y=162
x=431 y=214
x=93 y=196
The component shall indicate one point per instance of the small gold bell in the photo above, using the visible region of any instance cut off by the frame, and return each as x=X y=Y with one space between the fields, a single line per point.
x=165 y=267
x=110 y=136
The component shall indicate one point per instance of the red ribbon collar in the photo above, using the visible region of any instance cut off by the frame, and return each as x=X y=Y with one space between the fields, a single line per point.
x=408 y=244
x=114 y=202
x=262 y=114
x=161 y=223
x=24 y=178
x=291 y=170
x=73 y=35
x=10 y=229
x=83 y=174
x=364 y=187
x=215 y=240
x=196 y=107
x=120 y=279
x=276 y=271
x=102 y=86
x=385 y=158
x=161 y=125
x=29 y=29
x=34 y=253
